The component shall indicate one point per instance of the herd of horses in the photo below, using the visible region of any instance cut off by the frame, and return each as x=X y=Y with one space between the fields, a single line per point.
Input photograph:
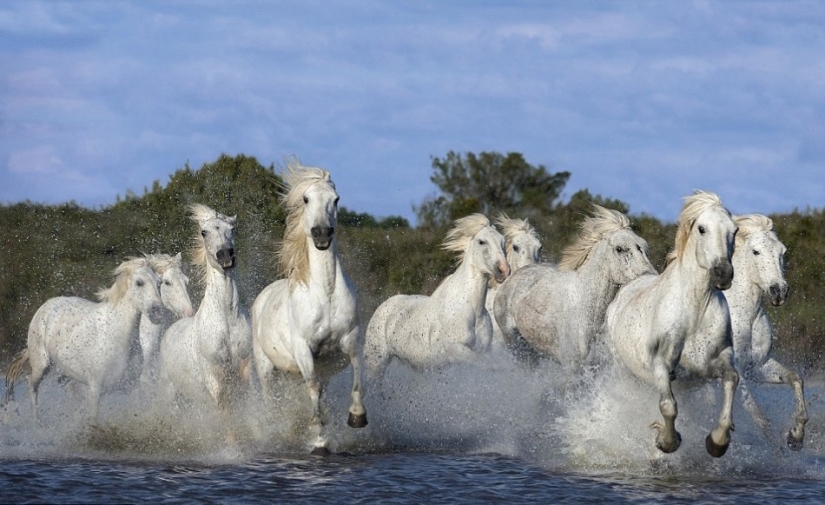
x=695 y=320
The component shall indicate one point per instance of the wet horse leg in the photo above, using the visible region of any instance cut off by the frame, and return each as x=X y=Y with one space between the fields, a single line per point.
x=775 y=373
x=357 y=413
x=667 y=438
x=718 y=439
x=306 y=364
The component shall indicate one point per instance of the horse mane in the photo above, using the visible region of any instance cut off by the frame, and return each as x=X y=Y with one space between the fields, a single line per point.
x=464 y=229
x=122 y=273
x=695 y=204
x=201 y=213
x=750 y=224
x=161 y=263
x=293 y=255
x=511 y=227
x=592 y=231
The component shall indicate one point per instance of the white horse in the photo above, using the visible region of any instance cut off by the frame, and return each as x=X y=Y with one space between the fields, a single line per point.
x=452 y=324
x=307 y=323
x=201 y=356
x=759 y=263
x=175 y=297
x=681 y=318
x=522 y=248
x=89 y=342
x=557 y=312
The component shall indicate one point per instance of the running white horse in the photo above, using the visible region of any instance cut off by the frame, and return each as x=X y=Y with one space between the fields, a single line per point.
x=759 y=263
x=681 y=318
x=175 y=296
x=201 y=356
x=307 y=323
x=86 y=341
x=557 y=312
x=451 y=325
x=523 y=248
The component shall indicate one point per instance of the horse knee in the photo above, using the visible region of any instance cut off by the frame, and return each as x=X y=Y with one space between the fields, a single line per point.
x=668 y=408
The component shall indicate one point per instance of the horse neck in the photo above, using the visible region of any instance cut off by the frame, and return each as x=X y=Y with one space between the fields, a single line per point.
x=744 y=294
x=689 y=279
x=599 y=288
x=221 y=293
x=122 y=315
x=465 y=283
x=324 y=267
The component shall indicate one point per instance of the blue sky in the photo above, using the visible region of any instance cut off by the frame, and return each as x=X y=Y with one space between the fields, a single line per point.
x=641 y=101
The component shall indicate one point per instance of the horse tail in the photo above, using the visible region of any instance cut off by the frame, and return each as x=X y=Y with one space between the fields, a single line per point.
x=14 y=372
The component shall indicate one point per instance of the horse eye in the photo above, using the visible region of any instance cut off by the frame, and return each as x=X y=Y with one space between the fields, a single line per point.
x=203 y=233
x=516 y=248
x=306 y=200
x=701 y=229
x=756 y=253
x=167 y=283
x=481 y=241
x=139 y=283
x=620 y=249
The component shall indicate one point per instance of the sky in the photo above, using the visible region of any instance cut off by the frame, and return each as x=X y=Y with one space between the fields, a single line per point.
x=643 y=101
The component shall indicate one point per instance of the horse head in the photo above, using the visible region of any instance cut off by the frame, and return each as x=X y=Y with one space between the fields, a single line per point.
x=173 y=290
x=320 y=213
x=759 y=256
x=523 y=246
x=606 y=239
x=627 y=255
x=711 y=234
x=144 y=291
x=485 y=252
x=216 y=244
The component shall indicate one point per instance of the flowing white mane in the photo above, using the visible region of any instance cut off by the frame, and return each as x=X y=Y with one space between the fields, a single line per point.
x=694 y=205
x=463 y=230
x=123 y=273
x=592 y=231
x=161 y=263
x=200 y=213
x=293 y=256
x=750 y=224
x=511 y=228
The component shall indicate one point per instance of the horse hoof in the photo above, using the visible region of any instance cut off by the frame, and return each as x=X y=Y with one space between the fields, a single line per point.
x=794 y=444
x=715 y=450
x=357 y=420
x=319 y=451
x=668 y=448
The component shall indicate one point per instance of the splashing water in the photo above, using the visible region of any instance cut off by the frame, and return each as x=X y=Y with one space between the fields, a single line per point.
x=595 y=424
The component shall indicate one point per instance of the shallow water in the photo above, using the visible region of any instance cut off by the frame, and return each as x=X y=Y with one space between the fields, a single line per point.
x=460 y=435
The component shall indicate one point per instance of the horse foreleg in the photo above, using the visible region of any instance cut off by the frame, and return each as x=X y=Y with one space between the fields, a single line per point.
x=718 y=439
x=306 y=364
x=774 y=372
x=667 y=438
x=357 y=413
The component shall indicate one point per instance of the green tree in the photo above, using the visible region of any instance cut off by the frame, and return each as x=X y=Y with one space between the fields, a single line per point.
x=488 y=183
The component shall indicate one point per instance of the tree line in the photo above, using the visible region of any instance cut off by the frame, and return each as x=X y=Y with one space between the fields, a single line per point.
x=66 y=249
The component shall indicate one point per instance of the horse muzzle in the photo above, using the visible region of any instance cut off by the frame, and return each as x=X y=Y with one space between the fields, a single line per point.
x=721 y=274
x=226 y=258
x=501 y=272
x=322 y=236
x=155 y=313
x=778 y=293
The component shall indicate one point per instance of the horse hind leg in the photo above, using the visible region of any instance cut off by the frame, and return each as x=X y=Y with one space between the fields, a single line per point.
x=774 y=372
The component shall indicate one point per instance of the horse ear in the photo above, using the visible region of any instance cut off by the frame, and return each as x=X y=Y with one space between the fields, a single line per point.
x=233 y=219
x=178 y=256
